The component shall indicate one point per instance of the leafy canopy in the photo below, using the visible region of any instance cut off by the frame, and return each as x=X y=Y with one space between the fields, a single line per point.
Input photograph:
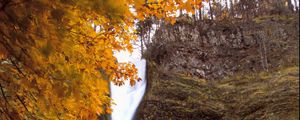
x=55 y=66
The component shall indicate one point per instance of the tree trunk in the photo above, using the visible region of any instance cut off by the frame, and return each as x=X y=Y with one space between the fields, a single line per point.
x=142 y=46
x=231 y=9
x=210 y=10
x=226 y=3
x=200 y=14
x=296 y=5
x=290 y=5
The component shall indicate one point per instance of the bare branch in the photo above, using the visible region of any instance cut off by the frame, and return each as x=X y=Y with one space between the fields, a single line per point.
x=3 y=94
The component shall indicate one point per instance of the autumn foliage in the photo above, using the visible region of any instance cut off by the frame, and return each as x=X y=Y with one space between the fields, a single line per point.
x=55 y=66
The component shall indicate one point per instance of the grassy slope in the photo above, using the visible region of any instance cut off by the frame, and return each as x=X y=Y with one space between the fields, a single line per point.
x=265 y=95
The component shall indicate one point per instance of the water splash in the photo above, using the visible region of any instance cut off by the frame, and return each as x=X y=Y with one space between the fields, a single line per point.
x=126 y=97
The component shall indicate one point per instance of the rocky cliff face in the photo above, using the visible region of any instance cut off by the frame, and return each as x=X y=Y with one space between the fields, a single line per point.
x=216 y=49
x=224 y=71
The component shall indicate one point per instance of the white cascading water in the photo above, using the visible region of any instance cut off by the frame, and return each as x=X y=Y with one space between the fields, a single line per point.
x=126 y=97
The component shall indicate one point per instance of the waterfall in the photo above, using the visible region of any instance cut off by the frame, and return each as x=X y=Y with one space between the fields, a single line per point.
x=126 y=97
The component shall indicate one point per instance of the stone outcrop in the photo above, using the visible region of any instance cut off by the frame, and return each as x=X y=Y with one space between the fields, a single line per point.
x=215 y=49
x=224 y=71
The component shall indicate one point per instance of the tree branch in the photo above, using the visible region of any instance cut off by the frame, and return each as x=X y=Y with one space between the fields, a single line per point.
x=3 y=94
x=22 y=102
x=18 y=97
x=16 y=66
